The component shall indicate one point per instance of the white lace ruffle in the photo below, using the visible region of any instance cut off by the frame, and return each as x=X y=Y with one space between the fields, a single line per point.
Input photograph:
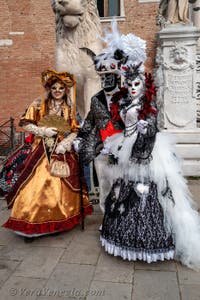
x=136 y=255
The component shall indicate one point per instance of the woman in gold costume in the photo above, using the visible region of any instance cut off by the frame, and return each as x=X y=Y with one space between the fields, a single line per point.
x=44 y=200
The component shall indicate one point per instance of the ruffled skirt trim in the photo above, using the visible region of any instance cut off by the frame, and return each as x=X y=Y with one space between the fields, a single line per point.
x=36 y=229
x=148 y=256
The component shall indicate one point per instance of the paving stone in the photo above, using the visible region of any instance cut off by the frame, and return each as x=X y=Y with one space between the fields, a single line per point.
x=93 y=222
x=190 y=292
x=188 y=276
x=84 y=249
x=21 y=288
x=6 y=269
x=157 y=266
x=155 y=285
x=100 y=290
x=11 y=252
x=3 y=204
x=194 y=187
x=70 y=280
x=97 y=210
x=4 y=212
x=39 y=263
x=58 y=295
x=5 y=235
x=114 y=269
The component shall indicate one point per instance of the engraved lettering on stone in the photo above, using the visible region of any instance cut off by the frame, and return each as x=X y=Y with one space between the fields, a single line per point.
x=179 y=86
x=198 y=90
x=198 y=63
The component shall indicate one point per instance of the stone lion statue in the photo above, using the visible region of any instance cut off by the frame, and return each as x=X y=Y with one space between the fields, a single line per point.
x=77 y=26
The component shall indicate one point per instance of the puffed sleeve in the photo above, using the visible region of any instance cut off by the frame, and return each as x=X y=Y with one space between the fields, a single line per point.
x=32 y=114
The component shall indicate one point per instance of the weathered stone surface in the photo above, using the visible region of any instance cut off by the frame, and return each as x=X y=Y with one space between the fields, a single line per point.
x=6 y=236
x=157 y=266
x=93 y=222
x=154 y=285
x=190 y=292
x=39 y=263
x=114 y=269
x=21 y=288
x=188 y=276
x=6 y=269
x=84 y=249
x=72 y=279
x=109 y=291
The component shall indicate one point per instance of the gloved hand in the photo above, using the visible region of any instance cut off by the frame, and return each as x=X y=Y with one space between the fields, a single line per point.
x=60 y=149
x=142 y=126
x=50 y=131
x=105 y=150
x=66 y=144
x=40 y=131
x=76 y=143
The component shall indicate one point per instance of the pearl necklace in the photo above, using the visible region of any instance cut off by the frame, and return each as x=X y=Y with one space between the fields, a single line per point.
x=56 y=107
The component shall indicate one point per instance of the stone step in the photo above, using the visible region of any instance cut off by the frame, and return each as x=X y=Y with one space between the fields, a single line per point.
x=191 y=167
x=188 y=151
x=186 y=137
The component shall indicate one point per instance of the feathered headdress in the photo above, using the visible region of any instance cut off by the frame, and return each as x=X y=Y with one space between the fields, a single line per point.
x=131 y=48
x=120 y=50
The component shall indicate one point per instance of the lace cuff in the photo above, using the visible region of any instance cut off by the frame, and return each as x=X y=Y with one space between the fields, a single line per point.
x=38 y=131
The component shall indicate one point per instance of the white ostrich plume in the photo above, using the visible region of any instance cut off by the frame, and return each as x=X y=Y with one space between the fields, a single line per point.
x=112 y=39
x=134 y=47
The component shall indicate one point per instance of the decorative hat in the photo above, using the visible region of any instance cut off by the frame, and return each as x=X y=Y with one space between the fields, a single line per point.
x=128 y=50
x=49 y=76
x=120 y=50
x=106 y=64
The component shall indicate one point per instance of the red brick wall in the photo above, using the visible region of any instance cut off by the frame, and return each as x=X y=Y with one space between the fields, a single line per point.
x=31 y=53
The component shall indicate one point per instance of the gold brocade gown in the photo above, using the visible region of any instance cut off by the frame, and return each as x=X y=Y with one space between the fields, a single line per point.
x=43 y=204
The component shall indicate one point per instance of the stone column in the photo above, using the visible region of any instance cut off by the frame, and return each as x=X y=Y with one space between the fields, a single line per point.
x=176 y=78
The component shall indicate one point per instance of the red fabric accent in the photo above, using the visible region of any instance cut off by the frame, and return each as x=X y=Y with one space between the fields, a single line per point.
x=46 y=227
x=114 y=109
x=30 y=164
x=110 y=130
x=150 y=92
x=29 y=138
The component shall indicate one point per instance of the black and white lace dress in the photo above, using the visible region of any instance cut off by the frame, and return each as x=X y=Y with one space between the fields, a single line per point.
x=149 y=214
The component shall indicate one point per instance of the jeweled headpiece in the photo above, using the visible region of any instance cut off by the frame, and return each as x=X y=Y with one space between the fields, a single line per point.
x=132 y=71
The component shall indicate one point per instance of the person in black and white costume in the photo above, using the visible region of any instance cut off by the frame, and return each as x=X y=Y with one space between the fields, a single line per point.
x=102 y=119
x=149 y=213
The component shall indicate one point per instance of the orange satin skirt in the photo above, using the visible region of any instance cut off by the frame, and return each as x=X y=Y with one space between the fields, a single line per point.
x=45 y=204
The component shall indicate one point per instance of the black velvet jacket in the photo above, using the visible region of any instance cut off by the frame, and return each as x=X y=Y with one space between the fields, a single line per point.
x=143 y=146
x=98 y=118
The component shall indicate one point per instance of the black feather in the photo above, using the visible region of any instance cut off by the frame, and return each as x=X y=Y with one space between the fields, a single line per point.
x=89 y=52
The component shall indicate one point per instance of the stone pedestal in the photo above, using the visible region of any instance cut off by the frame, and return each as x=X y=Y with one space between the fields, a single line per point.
x=176 y=80
x=188 y=147
x=176 y=76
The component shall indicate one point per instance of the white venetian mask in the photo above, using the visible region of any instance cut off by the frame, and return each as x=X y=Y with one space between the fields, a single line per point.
x=135 y=87
x=57 y=91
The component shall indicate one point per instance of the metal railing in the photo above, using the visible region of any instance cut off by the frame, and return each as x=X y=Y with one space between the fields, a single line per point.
x=9 y=138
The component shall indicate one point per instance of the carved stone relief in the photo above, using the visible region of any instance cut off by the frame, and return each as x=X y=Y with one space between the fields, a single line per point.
x=175 y=81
